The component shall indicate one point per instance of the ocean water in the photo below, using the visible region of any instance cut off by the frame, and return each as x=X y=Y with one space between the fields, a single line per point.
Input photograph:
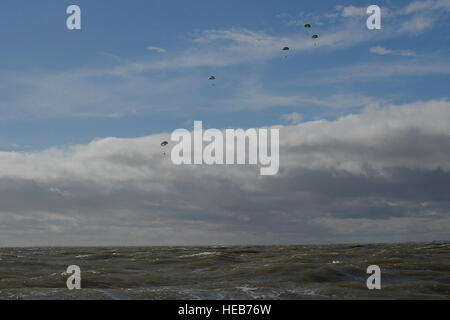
x=408 y=271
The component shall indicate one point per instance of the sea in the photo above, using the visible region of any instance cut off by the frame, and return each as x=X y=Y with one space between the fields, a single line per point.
x=407 y=271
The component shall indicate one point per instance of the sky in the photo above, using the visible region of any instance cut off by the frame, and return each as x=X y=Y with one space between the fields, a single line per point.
x=364 y=118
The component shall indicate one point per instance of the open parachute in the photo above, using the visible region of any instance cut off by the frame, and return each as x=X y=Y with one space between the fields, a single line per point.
x=285 y=49
x=163 y=145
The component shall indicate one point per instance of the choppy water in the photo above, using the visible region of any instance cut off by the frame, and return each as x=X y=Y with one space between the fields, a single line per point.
x=408 y=271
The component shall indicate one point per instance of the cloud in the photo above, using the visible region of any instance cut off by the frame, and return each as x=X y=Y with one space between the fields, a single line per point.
x=292 y=118
x=367 y=132
x=253 y=95
x=234 y=46
x=157 y=49
x=428 y=5
x=417 y=24
x=382 y=175
x=351 y=11
x=412 y=19
x=421 y=15
x=380 y=50
x=93 y=93
x=124 y=90
x=373 y=71
x=383 y=51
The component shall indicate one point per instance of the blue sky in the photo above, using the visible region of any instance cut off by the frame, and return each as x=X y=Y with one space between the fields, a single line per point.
x=64 y=87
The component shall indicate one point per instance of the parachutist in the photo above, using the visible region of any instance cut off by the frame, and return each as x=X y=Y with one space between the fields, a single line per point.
x=163 y=144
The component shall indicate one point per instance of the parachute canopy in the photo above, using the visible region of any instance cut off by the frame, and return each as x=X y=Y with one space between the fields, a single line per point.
x=307 y=25
x=285 y=49
x=212 y=78
x=315 y=36
x=164 y=143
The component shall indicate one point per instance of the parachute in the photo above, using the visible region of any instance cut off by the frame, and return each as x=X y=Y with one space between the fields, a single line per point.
x=285 y=49
x=163 y=144
x=315 y=36
x=307 y=27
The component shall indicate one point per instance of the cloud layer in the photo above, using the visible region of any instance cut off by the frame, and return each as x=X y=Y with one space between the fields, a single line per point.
x=382 y=175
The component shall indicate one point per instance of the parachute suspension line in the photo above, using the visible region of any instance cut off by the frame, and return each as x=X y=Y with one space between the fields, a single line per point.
x=315 y=37
x=307 y=27
x=286 y=49
x=163 y=145
x=212 y=78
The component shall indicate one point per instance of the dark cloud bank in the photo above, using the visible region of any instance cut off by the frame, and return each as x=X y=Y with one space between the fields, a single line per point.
x=382 y=175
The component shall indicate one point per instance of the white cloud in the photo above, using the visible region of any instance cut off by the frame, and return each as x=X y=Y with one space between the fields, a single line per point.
x=416 y=24
x=139 y=159
x=427 y=5
x=226 y=47
x=351 y=11
x=292 y=118
x=420 y=16
x=252 y=94
x=383 y=51
x=157 y=49
x=371 y=71
x=368 y=132
x=412 y=19
x=380 y=50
